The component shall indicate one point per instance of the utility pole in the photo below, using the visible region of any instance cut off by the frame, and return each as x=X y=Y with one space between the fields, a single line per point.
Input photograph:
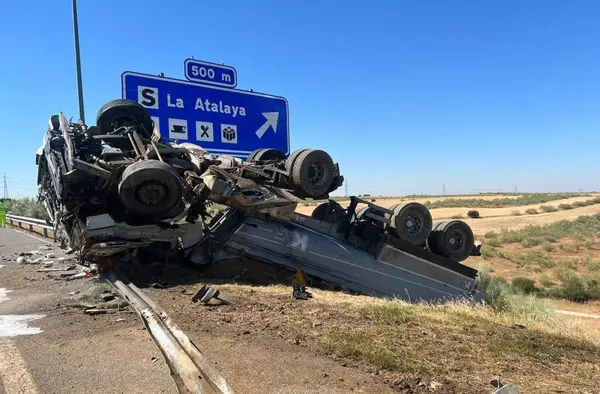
x=78 y=63
x=444 y=188
x=515 y=189
x=346 y=188
x=5 y=188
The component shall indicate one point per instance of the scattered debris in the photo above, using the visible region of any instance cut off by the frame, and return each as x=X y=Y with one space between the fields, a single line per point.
x=51 y=255
x=107 y=296
x=206 y=293
x=299 y=286
x=501 y=388
x=96 y=311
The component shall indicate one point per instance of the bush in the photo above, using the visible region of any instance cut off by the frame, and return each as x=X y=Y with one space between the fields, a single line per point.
x=473 y=214
x=512 y=236
x=523 y=285
x=516 y=213
x=27 y=207
x=497 y=291
x=589 y=244
x=495 y=242
x=542 y=259
x=547 y=246
x=565 y=207
x=528 y=199
x=491 y=234
x=459 y=216
x=531 y=241
x=531 y=211
x=548 y=208
x=546 y=281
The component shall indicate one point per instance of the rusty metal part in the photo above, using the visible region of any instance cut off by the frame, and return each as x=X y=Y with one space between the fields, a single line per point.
x=191 y=370
x=156 y=150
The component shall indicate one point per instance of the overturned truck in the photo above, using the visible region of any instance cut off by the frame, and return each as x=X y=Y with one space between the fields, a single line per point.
x=117 y=186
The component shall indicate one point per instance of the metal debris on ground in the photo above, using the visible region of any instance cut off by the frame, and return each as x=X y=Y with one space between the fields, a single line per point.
x=207 y=293
x=501 y=388
x=299 y=286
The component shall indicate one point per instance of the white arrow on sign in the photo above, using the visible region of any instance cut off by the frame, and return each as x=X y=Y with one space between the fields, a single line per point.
x=272 y=118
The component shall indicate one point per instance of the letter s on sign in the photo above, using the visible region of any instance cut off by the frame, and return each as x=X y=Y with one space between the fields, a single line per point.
x=148 y=97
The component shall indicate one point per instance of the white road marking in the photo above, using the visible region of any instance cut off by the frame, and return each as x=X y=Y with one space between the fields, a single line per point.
x=15 y=377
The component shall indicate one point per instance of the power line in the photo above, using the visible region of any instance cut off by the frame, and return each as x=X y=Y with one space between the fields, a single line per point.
x=5 y=187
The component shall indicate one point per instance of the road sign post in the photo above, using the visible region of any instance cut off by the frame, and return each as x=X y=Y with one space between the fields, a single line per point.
x=221 y=120
x=210 y=73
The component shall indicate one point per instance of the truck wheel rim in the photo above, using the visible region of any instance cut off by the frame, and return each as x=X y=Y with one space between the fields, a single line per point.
x=316 y=173
x=414 y=224
x=151 y=192
x=456 y=240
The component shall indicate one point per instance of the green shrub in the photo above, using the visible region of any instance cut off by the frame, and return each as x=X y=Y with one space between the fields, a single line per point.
x=550 y=238
x=542 y=259
x=495 y=242
x=548 y=208
x=580 y=203
x=546 y=281
x=490 y=234
x=497 y=291
x=528 y=199
x=531 y=211
x=459 y=216
x=523 y=285
x=512 y=236
x=593 y=265
x=531 y=241
x=589 y=244
x=547 y=246
x=565 y=207
x=488 y=251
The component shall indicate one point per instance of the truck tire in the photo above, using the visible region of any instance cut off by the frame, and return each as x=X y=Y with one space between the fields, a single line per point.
x=269 y=154
x=411 y=222
x=152 y=190
x=124 y=109
x=452 y=239
x=313 y=172
x=327 y=212
x=252 y=154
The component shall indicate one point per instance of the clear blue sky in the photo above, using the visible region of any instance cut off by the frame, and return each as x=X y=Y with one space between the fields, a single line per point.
x=405 y=95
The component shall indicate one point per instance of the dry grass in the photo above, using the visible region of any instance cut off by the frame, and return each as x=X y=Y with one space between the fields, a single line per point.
x=460 y=341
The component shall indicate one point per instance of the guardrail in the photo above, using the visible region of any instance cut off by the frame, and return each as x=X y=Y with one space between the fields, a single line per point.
x=37 y=226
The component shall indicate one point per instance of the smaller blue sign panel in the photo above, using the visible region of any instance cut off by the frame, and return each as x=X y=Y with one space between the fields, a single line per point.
x=210 y=73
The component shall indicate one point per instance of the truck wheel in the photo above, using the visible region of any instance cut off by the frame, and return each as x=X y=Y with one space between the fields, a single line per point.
x=452 y=239
x=121 y=109
x=269 y=154
x=312 y=172
x=152 y=189
x=252 y=154
x=411 y=222
x=326 y=212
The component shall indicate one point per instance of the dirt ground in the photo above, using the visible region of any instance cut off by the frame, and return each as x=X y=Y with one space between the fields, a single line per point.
x=494 y=219
x=287 y=344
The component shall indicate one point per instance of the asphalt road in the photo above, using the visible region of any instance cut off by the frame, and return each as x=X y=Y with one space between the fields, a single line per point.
x=62 y=350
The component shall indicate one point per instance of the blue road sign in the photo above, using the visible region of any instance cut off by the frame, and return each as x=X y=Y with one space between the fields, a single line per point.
x=211 y=73
x=221 y=120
